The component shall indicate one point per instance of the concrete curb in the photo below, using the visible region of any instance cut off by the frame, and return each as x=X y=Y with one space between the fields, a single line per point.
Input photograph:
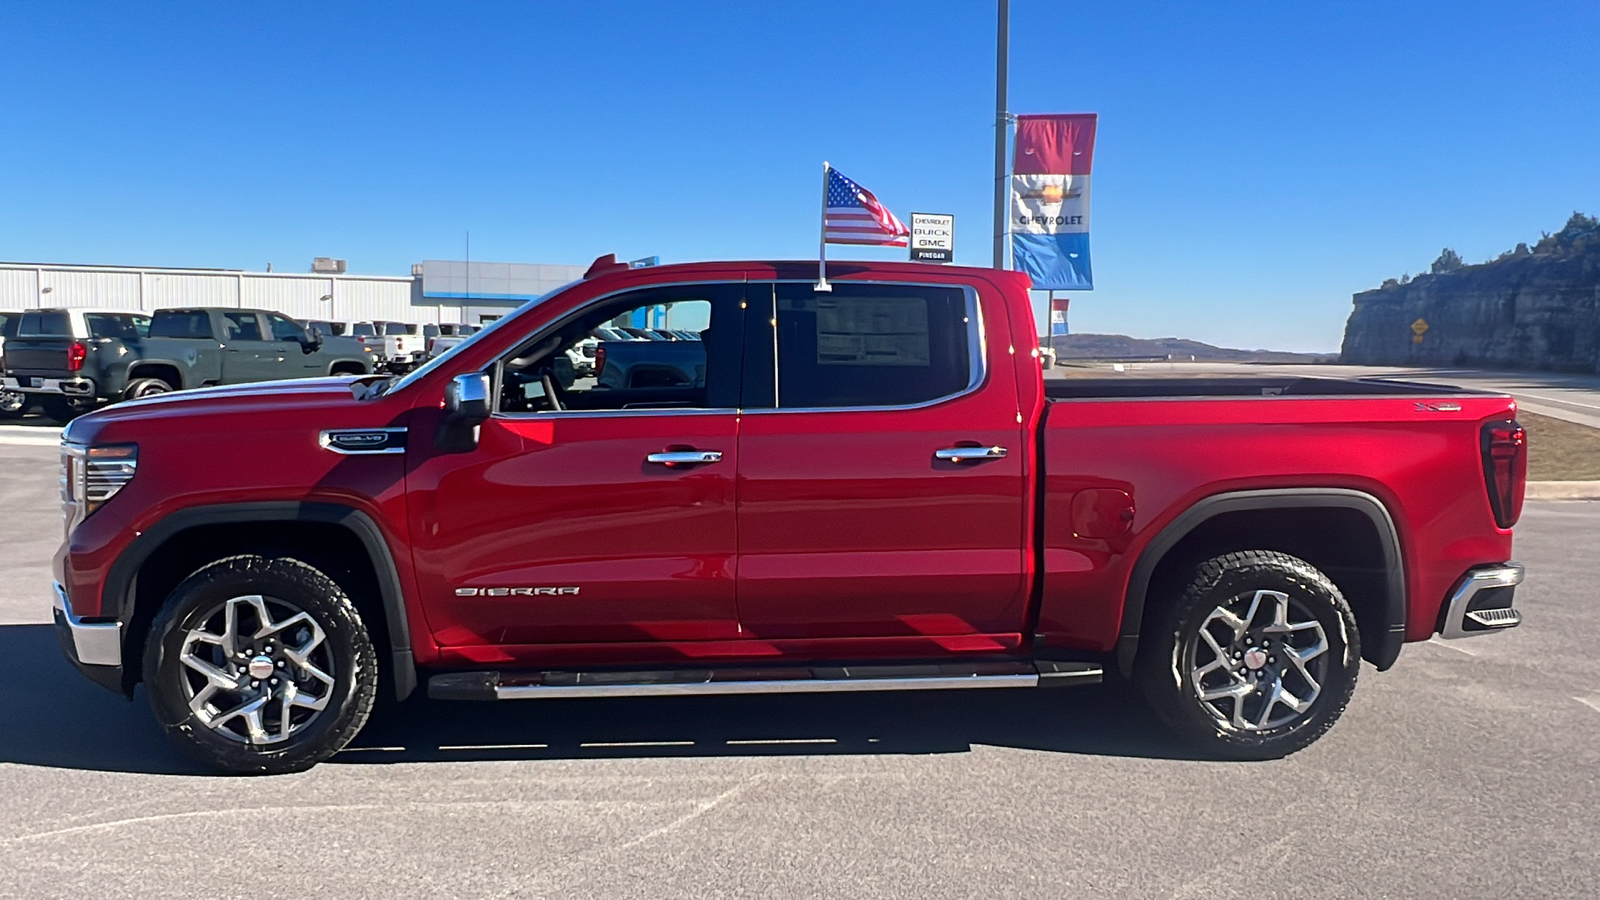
x=1563 y=490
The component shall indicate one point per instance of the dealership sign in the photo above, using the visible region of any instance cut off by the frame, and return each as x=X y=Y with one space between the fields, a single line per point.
x=933 y=237
x=1050 y=200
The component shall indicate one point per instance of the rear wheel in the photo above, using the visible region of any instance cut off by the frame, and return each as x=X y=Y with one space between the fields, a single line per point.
x=145 y=387
x=260 y=666
x=1256 y=658
x=13 y=404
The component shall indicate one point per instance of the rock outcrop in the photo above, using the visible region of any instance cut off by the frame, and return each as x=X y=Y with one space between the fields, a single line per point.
x=1533 y=308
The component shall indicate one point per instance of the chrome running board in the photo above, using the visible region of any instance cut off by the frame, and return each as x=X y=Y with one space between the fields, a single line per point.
x=773 y=680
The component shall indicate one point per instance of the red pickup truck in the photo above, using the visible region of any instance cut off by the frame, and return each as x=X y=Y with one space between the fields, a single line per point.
x=866 y=488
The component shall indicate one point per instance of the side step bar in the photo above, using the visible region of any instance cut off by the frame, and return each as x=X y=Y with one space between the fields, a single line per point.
x=774 y=680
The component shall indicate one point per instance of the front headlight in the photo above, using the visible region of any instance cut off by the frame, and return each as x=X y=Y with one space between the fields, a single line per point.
x=90 y=476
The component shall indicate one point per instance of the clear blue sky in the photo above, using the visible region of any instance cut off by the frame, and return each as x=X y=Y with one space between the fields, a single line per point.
x=1257 y=162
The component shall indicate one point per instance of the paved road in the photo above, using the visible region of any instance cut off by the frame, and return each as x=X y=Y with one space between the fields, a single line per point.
x=1469 y=770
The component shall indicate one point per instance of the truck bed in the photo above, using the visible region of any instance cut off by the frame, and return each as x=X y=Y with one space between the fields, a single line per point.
x=1240 y=386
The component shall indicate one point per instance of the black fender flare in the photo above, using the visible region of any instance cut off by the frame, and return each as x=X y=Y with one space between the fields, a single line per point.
x=180 y=368
x=1394 y=606
x=122 y=579
x=365 y=364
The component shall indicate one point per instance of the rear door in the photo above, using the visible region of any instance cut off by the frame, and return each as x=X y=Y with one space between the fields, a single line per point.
x=854 y=519
x=605 y=517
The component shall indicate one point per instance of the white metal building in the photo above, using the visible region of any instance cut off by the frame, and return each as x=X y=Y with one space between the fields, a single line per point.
x=436 y=291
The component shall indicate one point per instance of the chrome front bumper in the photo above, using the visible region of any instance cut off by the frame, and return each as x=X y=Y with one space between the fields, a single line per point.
x=92 y=643
x=1481 y=604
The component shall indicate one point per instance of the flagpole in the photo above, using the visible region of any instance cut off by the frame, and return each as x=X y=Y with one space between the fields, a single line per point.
x=822 y=253
x=1001 y=214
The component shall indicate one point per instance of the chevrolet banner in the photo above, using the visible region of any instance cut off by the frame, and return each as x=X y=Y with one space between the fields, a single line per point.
x=1050 y=200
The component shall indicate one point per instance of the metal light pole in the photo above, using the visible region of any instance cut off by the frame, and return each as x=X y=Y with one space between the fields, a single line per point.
x=1001 y=126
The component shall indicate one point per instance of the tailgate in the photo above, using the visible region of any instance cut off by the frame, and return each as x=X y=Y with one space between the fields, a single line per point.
x=44 y=357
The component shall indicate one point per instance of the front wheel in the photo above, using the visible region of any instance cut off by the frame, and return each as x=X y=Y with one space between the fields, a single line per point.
x=260 y=666
x=1255 y=658
x=13 y=404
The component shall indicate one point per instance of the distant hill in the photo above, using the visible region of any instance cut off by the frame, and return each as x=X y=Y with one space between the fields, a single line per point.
x=1120 y=346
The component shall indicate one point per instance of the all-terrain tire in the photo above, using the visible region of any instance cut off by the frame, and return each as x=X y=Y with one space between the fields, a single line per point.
x=1172 y=652
x=145 y=387
x=285 y=588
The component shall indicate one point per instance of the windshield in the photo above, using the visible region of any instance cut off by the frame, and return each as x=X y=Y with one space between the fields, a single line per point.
x=443 y=359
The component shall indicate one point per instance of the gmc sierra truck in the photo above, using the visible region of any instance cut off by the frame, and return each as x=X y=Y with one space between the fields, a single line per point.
x=871 y=488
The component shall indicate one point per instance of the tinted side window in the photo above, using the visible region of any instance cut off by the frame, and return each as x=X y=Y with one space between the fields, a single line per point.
x=45 y=324
x=186 y=323
x=871 y=345
x=241 y=327
x=8 y=325
x=104 y=325
x=284 y=330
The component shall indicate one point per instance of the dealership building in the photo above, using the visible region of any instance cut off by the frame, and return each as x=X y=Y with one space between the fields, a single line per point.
x=436 y=291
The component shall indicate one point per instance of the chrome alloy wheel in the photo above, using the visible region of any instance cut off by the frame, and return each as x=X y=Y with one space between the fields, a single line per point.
x=1258 y=661
x=257 y=670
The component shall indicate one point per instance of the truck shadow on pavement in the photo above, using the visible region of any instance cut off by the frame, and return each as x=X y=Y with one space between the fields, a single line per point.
x=51 y=716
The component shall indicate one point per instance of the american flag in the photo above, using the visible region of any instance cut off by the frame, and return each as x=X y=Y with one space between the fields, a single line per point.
x=854 y=216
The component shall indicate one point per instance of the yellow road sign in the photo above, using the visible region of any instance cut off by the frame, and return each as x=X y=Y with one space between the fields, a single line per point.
x=1419 y=327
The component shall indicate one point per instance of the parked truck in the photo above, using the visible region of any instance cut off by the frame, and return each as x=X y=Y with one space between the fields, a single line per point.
x=67 y=359
x=75 y=360
x=870 y=488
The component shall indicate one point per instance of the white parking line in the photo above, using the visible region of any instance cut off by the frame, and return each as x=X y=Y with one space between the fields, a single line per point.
x=783 y=741
x=1555 y=400
x=1449 y=645
x=1591 y=702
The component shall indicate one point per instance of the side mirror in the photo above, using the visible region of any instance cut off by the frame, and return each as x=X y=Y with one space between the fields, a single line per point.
x=466 y=406
x=313 y=338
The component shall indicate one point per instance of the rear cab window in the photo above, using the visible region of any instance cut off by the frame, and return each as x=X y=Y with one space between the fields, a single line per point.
x=45 y=323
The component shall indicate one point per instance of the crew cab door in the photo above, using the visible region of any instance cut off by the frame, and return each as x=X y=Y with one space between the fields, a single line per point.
x=300 y=358
x=605 y=516
x=249 y=351
x=854 y=520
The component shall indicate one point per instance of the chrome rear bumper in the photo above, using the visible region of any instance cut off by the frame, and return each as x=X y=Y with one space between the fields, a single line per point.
x=1481 y=604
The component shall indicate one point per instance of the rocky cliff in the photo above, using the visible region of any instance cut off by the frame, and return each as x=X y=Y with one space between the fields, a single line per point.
x=1535 y=308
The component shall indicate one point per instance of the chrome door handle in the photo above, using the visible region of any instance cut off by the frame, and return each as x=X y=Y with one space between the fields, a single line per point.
x=964 y=454
x=684 y=457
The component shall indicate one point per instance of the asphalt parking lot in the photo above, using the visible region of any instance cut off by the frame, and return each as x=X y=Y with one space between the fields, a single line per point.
x=1469 y=770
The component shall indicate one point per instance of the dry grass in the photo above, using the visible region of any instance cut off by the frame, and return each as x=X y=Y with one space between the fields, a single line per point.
x=1559 y=450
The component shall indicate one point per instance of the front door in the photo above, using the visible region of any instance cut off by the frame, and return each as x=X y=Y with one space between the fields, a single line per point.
x=249 y=351
x=299 y=360
x=595 y=513
x=854 y=520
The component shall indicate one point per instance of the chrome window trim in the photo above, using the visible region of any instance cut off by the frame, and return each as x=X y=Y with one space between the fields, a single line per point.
x=977 y=353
